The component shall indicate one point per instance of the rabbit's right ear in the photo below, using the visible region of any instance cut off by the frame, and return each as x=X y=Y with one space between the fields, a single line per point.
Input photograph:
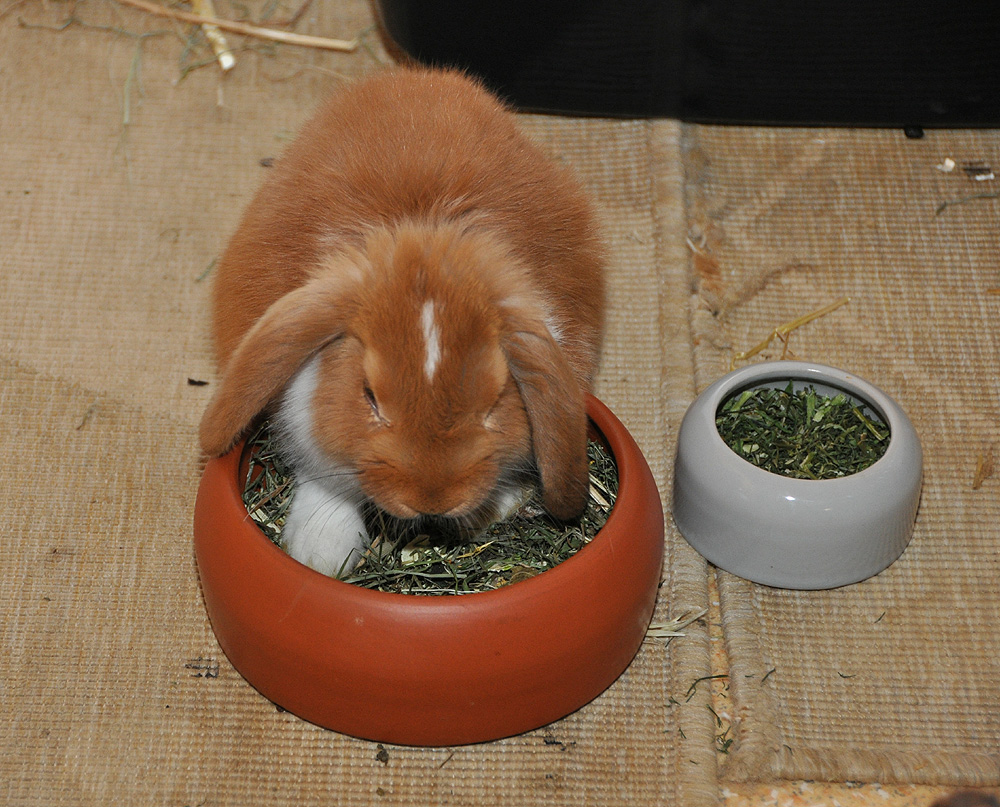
x=271 y=352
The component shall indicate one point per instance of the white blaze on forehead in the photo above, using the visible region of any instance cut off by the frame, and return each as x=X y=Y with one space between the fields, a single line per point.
x=432 y=338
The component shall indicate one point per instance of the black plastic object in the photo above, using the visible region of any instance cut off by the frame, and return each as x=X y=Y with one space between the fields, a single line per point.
x=859 y=62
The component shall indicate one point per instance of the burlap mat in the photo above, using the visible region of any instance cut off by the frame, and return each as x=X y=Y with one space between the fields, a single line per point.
x=897 y=678
x=121 y=177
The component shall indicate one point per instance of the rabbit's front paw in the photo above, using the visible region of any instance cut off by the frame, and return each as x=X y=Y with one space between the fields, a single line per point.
x=324 y=529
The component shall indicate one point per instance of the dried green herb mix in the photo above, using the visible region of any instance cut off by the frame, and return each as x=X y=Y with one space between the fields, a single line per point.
x=802 y=433
x=398 y=560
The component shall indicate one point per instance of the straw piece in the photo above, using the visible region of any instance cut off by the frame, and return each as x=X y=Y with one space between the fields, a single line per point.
x=215 y=37
x=665 y=631
x=985 y=467
x=245 y=29
x=782 y=331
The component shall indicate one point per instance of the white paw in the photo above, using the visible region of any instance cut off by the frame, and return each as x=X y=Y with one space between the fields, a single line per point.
x=512 y=499
x=324 y=529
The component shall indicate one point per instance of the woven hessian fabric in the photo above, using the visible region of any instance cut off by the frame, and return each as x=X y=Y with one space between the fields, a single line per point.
x=121 y=179
x=895 y=679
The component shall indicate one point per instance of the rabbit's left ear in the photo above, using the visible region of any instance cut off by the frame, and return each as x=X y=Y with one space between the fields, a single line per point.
x=556 y=414
x=272 y=351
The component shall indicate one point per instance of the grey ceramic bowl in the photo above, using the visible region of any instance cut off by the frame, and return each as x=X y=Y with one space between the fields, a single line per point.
x=786 y=532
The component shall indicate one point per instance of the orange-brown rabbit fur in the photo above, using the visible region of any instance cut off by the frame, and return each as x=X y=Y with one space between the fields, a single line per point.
x=418 y=295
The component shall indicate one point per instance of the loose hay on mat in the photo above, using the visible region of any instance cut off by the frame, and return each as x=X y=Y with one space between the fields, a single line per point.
x=399 y=559
x=783 y=332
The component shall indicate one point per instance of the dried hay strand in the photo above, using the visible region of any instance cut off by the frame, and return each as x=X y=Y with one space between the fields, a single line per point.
x=245 y=29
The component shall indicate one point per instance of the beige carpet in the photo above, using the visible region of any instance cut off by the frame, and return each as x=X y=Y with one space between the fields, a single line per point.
x=120 y=182
x=121 y=177
x=896 y=679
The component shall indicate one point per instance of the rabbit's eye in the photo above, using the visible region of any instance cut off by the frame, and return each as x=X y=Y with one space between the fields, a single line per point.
x=373 y=403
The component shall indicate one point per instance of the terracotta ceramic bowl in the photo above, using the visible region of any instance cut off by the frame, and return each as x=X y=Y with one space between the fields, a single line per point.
x=795 y=533
x=432 y=670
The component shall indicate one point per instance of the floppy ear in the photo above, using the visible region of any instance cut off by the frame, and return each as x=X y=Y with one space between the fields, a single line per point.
x=270 y=353
x=556 y=414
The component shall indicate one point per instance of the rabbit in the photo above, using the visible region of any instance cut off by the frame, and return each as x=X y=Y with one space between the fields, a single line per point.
x=416 y=297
